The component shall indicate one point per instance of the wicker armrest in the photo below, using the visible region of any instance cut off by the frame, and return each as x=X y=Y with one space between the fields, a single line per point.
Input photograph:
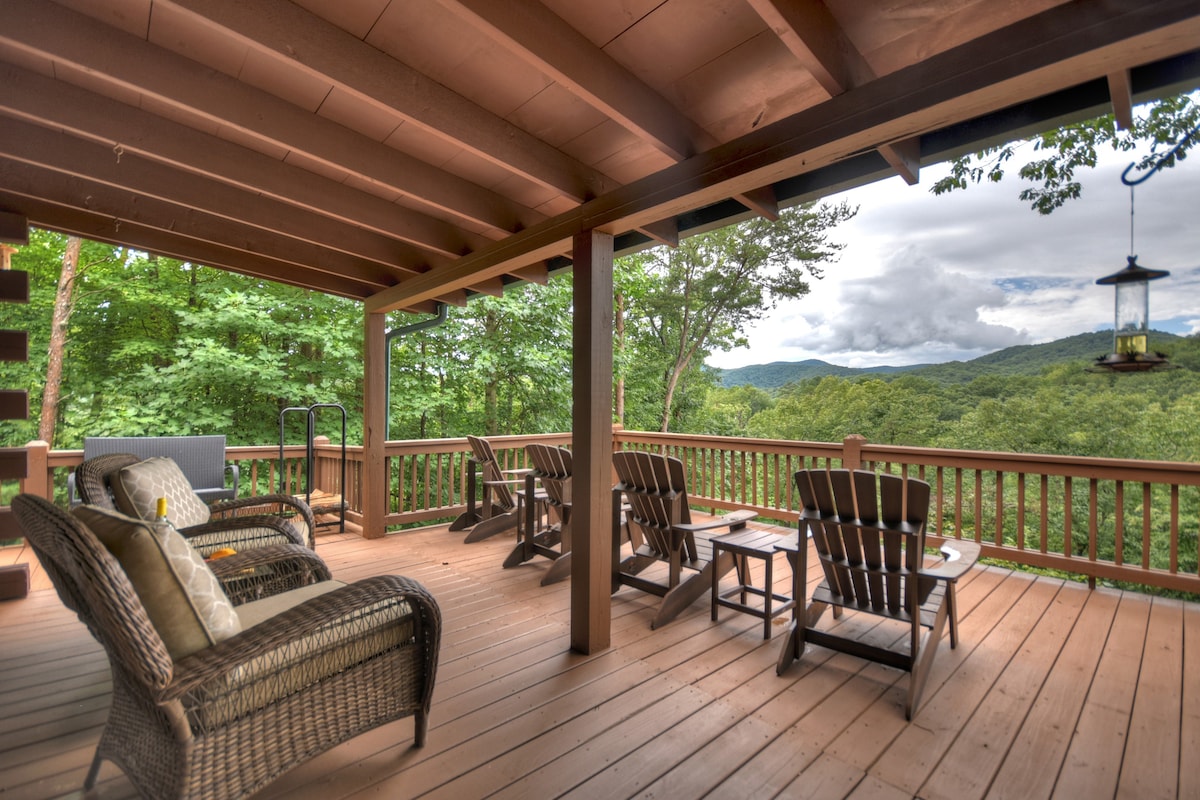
x=279 y=504
x=305 y=622
x=266 y=571
x=241 y=533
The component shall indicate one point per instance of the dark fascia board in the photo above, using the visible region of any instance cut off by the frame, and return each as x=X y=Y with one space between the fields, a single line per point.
x=1164 y=78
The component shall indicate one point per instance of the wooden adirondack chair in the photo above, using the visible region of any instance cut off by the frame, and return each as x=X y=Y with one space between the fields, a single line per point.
x=662 y=532
x=552 y=468
x=498 y=512
x=869 y=533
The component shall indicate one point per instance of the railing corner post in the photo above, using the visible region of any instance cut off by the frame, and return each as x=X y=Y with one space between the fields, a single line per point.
x=852 y=451
x=37 y=479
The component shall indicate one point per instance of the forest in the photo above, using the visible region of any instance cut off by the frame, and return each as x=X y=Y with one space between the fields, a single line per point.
x=123 y=342
x=158 y=347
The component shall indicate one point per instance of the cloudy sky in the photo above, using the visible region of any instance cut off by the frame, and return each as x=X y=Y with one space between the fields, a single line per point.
x=926 y=279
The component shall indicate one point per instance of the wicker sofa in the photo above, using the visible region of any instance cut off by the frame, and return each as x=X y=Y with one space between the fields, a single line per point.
x=301 y=670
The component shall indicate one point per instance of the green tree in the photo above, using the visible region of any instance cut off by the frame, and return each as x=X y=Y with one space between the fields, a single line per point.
x=1065 y=150
x=500 y=365
x=708 y=289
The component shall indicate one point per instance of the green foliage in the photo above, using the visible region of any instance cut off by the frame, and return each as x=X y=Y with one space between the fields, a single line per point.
x=1065 y=150
x=701 y=296
x=501 y=365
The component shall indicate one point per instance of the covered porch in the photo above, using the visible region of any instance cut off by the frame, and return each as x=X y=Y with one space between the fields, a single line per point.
x=1054 y=690
x=412 y=154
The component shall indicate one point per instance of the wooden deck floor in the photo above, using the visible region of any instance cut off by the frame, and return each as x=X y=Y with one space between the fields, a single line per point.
x=1053 y=691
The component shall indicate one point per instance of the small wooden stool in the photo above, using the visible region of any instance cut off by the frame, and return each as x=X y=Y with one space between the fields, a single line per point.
x=744 y=545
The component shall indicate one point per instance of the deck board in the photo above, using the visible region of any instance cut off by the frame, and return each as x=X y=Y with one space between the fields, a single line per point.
x=1054 y=690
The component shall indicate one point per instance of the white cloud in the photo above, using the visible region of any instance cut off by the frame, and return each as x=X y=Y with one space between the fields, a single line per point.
x=925 y=279
x=914 y=303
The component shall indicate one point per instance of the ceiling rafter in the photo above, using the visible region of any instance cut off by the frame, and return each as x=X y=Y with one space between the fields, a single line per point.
x=123 y=233
x=64 y=153
x=135 y=132
x=810 y=32
x=287 y=31
x=123 y=206
x=107 y=214
x=1032 y=54
x=1121 y=92
x=546 y=42
x=50 y=31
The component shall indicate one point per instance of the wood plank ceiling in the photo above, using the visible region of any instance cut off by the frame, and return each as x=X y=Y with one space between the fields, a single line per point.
x=412 y=152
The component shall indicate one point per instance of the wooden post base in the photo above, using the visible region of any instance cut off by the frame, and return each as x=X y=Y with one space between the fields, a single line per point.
x=14 y=581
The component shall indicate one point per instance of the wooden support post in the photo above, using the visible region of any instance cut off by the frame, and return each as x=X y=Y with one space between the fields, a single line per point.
x=374 y=476
x=852 y=451
x=592 y=441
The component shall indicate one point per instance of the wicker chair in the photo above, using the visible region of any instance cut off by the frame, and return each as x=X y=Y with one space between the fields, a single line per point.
x=226 y=720
x=240 y=523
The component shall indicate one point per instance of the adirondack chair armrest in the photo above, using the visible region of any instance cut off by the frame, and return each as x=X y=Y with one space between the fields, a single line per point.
x=508 y=482
x=730 y=520
x=519 y=473
x=958 y=557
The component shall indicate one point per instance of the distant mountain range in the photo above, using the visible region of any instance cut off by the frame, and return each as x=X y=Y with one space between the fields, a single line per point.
x=1028 y=359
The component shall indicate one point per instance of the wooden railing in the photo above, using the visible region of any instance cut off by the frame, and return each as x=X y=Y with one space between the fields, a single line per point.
x=1108 y=519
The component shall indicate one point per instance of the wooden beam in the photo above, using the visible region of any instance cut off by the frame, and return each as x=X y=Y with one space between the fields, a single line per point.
x=592 y=431
x=761 y=200
x=14 y=404
x=375 y=411
x=322 y=256
x=428 y=240
x=104 y=228
x=428 y=190
x=1028 y=59
x=105 y=206
x=14 y=228
x=905 y=158
x=814 y=37
x=1121 y=92
x=537 y=273
x=664 y=231
x=286 y=31
x=14 y=286
x=57 y=32
x=534 y=33
x=14 y=345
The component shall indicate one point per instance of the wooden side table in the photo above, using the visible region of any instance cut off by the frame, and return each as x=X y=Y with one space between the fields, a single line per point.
x=744 y=545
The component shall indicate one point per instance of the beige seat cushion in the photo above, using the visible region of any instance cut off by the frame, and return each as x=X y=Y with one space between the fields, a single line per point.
x=136 y=490
x=356 y=638
x=183 y=598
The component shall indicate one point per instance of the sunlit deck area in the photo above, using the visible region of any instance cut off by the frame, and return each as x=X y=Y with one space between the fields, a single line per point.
x=1054 y=690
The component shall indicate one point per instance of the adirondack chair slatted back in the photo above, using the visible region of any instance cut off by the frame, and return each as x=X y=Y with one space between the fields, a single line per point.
x=656 y=490
x=869 y=533
x=552 y=466
x=501 y=494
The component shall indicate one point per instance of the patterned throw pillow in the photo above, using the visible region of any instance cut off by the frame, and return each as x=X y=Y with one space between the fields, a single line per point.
x=136 y=490
x=183 y=598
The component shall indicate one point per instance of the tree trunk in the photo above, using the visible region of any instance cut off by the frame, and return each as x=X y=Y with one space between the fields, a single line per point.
x=491 y=385
x=620 y=347
x=669 y=395
x=58 y=341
